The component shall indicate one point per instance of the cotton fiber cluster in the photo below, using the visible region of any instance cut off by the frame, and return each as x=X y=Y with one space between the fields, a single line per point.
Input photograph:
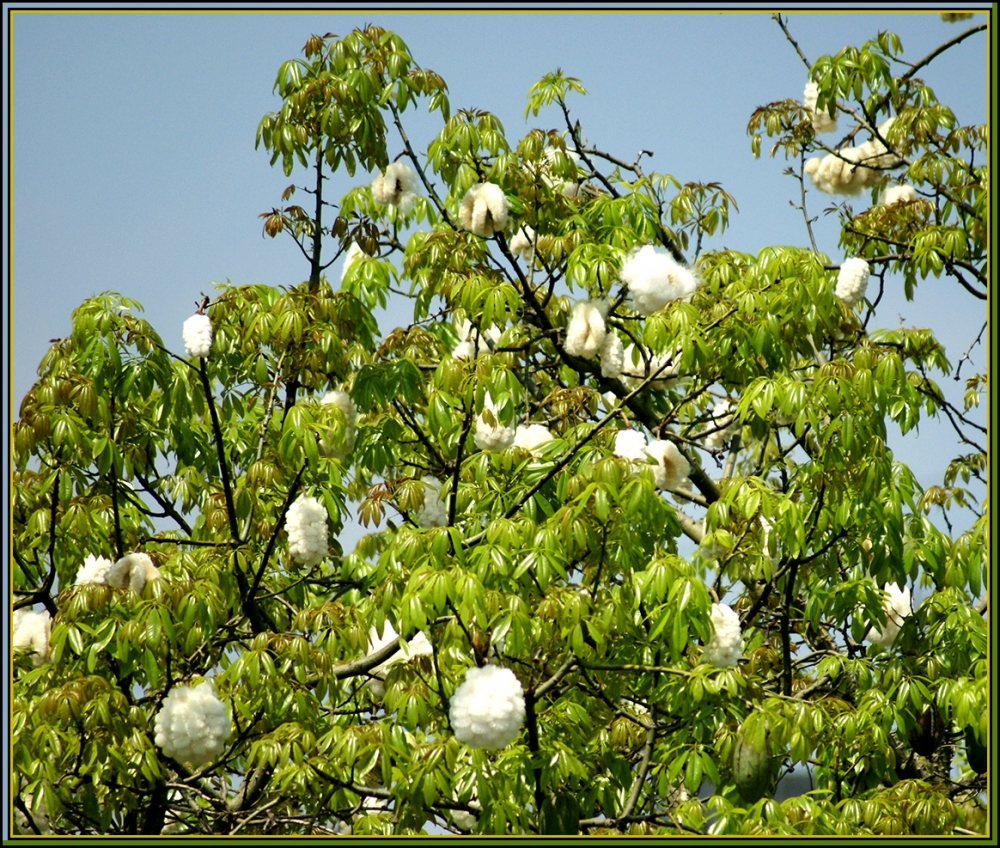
x=636 y=371
x=670 y=468
x=531 y=437
x=484 y=210
x=897 y=607
x=352 y=255
x=433 y=512
x=853 y=168
x=135 y=571
x=397 y=186
x=567 y=189
x=898 y=194
x=492 y=436
x=723 y=425
x=192 y=726
x=31 y=631
x=472 y=341
x=630 y=444
x=726 y=645
x=612 y=354
x=307 y=530
x=197 y=333
x=487 y=709
x=341 y=400
x=523 y=243
x=94 y=570
x=418 y=646
x=821 y=121
x=852 y=281
x=655 y=279
x=586 y=331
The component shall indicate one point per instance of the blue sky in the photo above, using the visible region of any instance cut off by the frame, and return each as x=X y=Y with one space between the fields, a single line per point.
x=134 y=167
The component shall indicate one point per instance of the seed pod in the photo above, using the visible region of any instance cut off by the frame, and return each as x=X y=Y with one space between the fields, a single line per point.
x=753 y=771
x=928 y=734
x=975 y=752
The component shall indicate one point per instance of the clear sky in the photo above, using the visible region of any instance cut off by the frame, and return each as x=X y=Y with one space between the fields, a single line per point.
x=134 y=167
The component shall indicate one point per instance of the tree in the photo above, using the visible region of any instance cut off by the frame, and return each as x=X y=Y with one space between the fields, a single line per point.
x=633 y=517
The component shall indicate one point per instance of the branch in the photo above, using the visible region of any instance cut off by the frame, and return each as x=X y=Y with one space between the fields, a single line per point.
x=220 y=451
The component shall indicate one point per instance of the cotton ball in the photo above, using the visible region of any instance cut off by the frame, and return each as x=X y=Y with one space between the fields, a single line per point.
x=897 y=606
x=433 y=512
x=93 y=570
x=612 y=354
x=898 y=194
x=523 y=243
x=484 y=210
x=586 y=331
x=418 y=646
x=197 y=334
x=726 y=645
x=670 y=468
x=821 y=121
x=32 y=630
x=341 y=400
x=473 y=341
x=852 y=280
x=567 y=189
x=492 y=435
x=723 y=425
x=532 y=437
x=655 y=279
x=135 y=571
x=307 y=530
x=487 y=709
x=353 y=254
x=631 y=445
x=192 y=725
x=397 y=186
x=661 y=367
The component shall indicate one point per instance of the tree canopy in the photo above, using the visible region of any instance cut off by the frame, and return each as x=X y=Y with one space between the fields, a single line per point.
x=636 y=546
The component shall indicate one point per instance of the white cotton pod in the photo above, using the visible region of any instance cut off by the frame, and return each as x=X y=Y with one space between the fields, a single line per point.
x=897 y=605
x=655 y=279
x=418 y=646
x=670 y=467
x=531 y=437
x=197 y=334
x=635 y=370
x=484 y=210
x=723 y=425
x=492 y=436
x=821 y=121
x=726 y=645
x=852 y=281
x=612 y=355
x=397 y=186
x=898 y=194
x=192 y=725
x=341 y=400
x=306 y=523
x=523 y=243
x=351 y=256
x=487 y=709
x=433 y=512
x=586 y=331
x=93 y=570
x=31 y=631
x=472 y=341
x=630 y=444
x=135 y=571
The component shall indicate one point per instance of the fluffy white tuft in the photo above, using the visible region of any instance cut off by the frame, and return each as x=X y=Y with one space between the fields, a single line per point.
x=352 y=255
x=487 y=709
x=136 y=571
x=307 y=530
x=531 y=437
x=484 y=210
x=93 y=570
x=655 y=279
x=433 y=512
x=726 y=645
x=523 y=243
x=821 y=121
x=586 y=331
x=192 y=726
x=897 y=606
x=635 y=370
x=723 y=425
x=491 y=435
x=341 y=400
x=418 y=646
x=670 y=468
x=612 y=355
x=853 y=168
x=197 y=334
x=32 y=630
x=472 y=341
x=397 y=186
x=564 y=187
x=630 y=444
x=852 y=281
x=898 y=194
